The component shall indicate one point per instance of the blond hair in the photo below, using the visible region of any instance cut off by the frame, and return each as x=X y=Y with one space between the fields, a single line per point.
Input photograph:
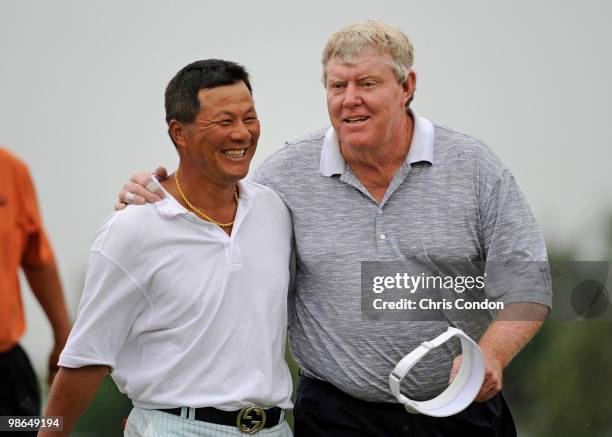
x=360 y=38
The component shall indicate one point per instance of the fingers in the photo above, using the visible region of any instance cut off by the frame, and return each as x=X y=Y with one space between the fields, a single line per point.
x=128 y=195
x=141 y=178
x=142 y=189
x=146 y=180
x=139 y=191
x=493 y=375
x=490 y=387
x=487 y=393
x=456 y=366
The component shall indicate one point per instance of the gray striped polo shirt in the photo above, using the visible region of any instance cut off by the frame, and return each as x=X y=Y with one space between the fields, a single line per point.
x=452 y=198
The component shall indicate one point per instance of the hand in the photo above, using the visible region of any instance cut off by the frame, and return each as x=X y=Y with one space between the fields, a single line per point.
x=137 y=185
x=492 y=383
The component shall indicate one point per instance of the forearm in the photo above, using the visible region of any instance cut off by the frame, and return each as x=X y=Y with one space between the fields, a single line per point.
x=46 y=286
x=509 y=332
x=71 y=393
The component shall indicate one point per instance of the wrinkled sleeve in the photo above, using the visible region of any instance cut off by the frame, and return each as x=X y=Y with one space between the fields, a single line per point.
x=111 y=307
x=516 y=263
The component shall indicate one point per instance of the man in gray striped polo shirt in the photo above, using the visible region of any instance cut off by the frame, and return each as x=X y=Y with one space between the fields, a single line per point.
x=383 y=184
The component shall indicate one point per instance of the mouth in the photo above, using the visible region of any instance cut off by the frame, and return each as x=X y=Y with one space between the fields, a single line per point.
x=356 y=120
x=235 y=154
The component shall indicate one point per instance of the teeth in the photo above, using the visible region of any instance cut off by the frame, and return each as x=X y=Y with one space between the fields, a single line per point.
x=235 y=153
x=355 y=119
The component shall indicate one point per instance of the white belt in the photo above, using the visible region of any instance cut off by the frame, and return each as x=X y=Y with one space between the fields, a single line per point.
x=462 y=390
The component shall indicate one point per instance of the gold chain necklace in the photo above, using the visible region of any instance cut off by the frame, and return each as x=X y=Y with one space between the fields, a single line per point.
x=196 y=210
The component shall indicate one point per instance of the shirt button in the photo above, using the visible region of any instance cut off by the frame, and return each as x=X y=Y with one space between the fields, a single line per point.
x=382 y=236
x=380 y=211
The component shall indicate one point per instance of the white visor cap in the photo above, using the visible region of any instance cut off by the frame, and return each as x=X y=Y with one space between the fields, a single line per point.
x=459 y=394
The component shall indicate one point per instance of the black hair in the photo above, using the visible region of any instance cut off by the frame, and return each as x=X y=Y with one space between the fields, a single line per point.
x=182 y=103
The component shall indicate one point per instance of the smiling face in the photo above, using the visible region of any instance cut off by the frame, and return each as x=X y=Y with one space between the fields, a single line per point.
x=222 y=139
x=366 y=104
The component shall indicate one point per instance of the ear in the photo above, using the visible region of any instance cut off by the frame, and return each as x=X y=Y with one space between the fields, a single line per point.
x=409 y=85
x=177 y=131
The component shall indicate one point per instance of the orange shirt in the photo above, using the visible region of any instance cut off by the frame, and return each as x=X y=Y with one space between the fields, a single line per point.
x=22 y=243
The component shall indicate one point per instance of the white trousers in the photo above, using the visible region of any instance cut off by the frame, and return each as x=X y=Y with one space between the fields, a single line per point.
x=154 y=423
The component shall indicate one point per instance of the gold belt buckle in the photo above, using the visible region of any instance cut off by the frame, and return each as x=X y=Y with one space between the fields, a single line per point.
x=248 y=424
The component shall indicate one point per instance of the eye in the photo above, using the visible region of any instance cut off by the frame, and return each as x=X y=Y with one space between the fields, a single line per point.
x=337 y=85
x=368 y=83
x=250 y=120
x=225 y=122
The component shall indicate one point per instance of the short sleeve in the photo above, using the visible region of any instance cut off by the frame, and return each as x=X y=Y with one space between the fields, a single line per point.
x=112 y=309
x=37 y=251
x=515 y=253
x=259 y=175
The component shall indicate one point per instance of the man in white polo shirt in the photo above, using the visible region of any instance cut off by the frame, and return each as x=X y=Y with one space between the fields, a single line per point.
x=181 y=304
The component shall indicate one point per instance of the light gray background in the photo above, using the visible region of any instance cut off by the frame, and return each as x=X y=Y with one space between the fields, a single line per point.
x=81 y=97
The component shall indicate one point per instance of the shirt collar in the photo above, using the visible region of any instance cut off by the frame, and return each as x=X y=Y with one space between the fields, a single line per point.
x=169 y=207
x=421 y=147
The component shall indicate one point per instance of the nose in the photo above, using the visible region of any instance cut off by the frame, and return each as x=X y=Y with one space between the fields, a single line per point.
x=240 y=132
x=351 y=96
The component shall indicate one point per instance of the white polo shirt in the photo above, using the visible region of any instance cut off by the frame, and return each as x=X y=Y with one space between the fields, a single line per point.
x=185 y=314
